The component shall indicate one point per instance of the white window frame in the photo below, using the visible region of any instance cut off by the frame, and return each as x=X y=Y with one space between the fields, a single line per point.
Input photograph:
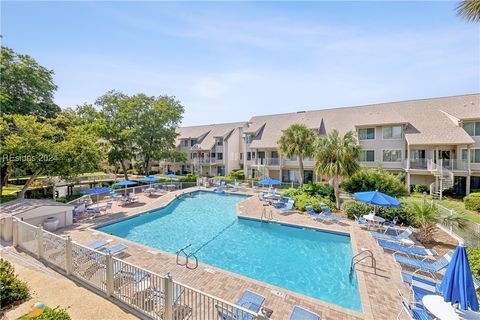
x=472 y=155
x=366 y=161
x=401 y=133
x=474 y=127
x=366 y=128
x=400 y=158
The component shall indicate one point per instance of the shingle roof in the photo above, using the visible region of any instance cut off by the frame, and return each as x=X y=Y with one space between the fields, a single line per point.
x=427 y=124
x=17 y=206
x=206 y=134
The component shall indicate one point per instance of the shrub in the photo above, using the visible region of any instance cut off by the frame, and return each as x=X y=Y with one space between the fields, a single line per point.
x=188 y=178
x=132 y=171
x=302 y=198
x=376 y=179
x=12 y=289
x=420 y=188
x=321 y=189
x=474 y=260
x=237 y=174
x=352 y=207
x=472 y=201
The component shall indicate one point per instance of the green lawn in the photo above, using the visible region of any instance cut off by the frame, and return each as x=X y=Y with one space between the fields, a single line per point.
x=9 y=189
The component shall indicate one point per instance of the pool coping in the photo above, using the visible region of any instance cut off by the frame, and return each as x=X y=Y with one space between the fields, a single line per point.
x=366 y=312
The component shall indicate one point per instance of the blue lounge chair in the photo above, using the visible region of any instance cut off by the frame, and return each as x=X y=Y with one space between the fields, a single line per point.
x=413 y=313
x=360 y=221
x=329 y=215
x=299 y=313
x=116 y=249
x=98 y=244
x=432 y=267
x=407 y=278
x=249 y=300
x=407 y=250
x=404 y=235
x=288 y=205
x=421 y=287
x=316 y=216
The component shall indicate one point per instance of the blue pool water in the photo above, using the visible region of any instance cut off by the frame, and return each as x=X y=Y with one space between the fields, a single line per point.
x=303 y=260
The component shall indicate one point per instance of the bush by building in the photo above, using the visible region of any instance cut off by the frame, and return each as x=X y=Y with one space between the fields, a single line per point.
x=376 y=179
x=12 y=289
x=472 y=201
x=352 y=207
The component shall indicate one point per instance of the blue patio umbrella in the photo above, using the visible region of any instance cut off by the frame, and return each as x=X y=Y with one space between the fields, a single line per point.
x=269 y=182
x=377 y=198
x=125 y=183
x=457 y=284
x=150 y=179
x=96 y=190
x=171 y=175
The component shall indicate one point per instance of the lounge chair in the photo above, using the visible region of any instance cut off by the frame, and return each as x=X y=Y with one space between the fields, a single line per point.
x=288 y=206
x=249 y=300
x=116 y=249
x=299 y=313
x=392 y=223
x=361 y=221
x=407 y=278
x=326 y=211
x=404 y=235
x=98 y=244
x=412 y=313
x=432 y=267
x=417 y=251
x=421 y=287
x=316 y=216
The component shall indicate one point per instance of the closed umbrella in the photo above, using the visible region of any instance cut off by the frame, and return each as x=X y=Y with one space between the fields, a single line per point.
x=457 y=284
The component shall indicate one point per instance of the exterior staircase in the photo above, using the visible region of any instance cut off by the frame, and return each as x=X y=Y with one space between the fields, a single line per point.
x=444 y=178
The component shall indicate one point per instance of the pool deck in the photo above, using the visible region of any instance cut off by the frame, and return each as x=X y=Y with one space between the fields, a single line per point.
x=378 y=291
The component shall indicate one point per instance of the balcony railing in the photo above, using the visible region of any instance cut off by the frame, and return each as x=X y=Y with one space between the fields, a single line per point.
x=418 y=164
x=448 y=164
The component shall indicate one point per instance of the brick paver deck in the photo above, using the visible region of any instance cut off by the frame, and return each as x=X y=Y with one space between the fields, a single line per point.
x=378 y=291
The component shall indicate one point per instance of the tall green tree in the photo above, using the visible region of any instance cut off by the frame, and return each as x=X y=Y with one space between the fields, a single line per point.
x=49 y=147
x=25 y=86
x=297 y=140
x=470 y=10
x=337 y=157
x=156 y=119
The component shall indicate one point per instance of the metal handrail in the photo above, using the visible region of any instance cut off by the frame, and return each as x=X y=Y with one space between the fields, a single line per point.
x=196 y=261
x=182 y=250
x=370 y=255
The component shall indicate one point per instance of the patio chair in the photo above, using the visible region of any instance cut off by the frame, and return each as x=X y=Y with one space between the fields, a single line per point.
x=407 y=278
x=392 y=223
x=404 y=235
x=311 y=212
x=299 y=313
x=412 y=313
x=326 y=211
x=421 y=265
x=249 y=300
x=361 y=221
x=98 y=244
x=398 y=248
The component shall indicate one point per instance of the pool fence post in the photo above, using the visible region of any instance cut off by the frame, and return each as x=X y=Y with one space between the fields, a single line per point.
x=40 y=242
x=168 y=289
x=68 y=256
x=109 y=275
x=15 y=227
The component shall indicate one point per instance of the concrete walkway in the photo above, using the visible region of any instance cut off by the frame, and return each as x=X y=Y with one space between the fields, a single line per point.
x=53 y=289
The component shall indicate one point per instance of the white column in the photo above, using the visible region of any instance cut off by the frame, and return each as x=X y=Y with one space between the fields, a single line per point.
x=40 y=242
x=408 y=157
x=109 y=275
x=68 y=256
x=468 y=159
x=14 y=232
x=467 y=185
x=407 y=181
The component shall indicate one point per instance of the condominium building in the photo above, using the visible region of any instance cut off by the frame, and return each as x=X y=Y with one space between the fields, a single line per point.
x=211 y=150
x=435 y=142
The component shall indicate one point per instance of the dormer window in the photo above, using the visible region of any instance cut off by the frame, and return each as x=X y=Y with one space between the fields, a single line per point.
x=193 y=142
x=472 y=128
x=185 y=143
x=219 y=142
x=366 y=134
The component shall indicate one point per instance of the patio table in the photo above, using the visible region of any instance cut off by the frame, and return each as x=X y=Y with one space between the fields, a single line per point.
x=445 y=311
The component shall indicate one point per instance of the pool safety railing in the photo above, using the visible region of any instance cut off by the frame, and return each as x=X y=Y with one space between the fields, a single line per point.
x=181 y=252
x=359 y=257
x=146 y=294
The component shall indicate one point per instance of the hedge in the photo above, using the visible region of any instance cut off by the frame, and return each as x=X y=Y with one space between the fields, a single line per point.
x=303 y=197
x=472 y=201
x=376 y=179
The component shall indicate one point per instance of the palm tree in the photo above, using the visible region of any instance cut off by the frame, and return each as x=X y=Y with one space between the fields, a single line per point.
x=298 y=141
x=470 y=10
x=427 y=216
x=337 y=158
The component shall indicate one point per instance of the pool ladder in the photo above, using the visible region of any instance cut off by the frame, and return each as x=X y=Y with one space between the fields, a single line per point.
x=266 y=216
x=188 y=257
x=362 y=255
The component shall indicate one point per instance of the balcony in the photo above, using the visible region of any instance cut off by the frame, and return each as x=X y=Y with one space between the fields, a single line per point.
x=268 y=162
x=418 y=164
x=448 y=164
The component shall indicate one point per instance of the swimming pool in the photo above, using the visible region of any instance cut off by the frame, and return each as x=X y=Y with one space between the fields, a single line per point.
x=307 y=261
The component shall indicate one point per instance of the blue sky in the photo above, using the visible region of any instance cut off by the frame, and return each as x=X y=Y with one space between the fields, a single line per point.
x=228 y=61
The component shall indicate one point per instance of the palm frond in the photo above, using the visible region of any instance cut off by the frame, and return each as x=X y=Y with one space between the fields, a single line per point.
x=470 y=10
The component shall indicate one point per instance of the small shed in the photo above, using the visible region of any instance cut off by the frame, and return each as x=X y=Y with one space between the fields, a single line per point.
x=35 y=212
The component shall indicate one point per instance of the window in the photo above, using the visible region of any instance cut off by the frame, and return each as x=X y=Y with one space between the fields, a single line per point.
x=241 y=156
x=193 y=142
x=472 y=128
x=292 y=158
x=366 y=134
x=212 y=155
x=367 y=156
x=219 y=156
x=253 y=155
x=185 y=143
x=249 y=156
x=392 y=132
x=474 y=155
x=392 y=156
x=219 y=142
x=274 y=154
